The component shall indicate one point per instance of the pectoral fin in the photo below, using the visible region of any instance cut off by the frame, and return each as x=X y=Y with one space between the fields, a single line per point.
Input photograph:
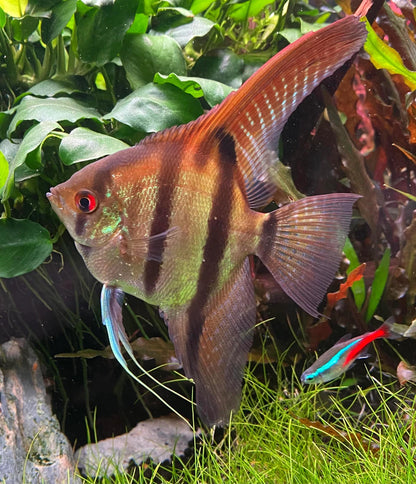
x=213 y=345
x=111 y=311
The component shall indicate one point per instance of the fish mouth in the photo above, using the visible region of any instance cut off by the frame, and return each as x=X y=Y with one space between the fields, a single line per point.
x=54 y=198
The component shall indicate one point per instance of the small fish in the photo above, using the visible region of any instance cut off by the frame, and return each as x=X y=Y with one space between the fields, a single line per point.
x=338 y=359
x=174 y=220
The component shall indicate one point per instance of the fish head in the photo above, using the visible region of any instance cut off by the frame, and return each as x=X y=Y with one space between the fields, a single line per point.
x=89 y=205
x=307 y=377
x=311 y=376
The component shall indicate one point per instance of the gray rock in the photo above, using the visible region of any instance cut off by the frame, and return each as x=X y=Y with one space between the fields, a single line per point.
x=157 y=439
x=32 y=447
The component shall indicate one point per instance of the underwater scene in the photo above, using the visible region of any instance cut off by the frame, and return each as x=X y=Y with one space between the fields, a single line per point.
x=207 y=241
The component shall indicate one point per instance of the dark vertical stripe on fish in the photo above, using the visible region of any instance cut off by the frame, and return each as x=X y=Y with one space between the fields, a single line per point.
x=101 y=181
x=202 y=154
x=80 y=222
x=167 y=181
x=268 y=235
x=216 y=243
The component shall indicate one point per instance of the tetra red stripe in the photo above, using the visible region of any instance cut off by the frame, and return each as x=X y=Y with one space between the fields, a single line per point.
x=366 y=340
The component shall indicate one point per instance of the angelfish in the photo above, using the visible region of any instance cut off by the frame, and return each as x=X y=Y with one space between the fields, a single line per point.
x=173 y=220
x=338 y=359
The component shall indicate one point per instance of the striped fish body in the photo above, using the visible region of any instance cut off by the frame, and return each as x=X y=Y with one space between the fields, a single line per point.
x=190 y=225
x=174 y=219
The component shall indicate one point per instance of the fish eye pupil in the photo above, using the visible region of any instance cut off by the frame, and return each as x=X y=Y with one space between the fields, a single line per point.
x=86 y=201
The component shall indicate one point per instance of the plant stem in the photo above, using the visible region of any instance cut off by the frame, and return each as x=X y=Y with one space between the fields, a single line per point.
x=108 y=84
x=59 y=232
x=7 y=211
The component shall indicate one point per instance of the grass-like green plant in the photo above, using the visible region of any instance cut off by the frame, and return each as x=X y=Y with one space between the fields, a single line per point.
x=286 y=434
x=74 y=87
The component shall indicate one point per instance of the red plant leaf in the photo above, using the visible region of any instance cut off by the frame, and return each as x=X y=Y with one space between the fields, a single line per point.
x=353 y=276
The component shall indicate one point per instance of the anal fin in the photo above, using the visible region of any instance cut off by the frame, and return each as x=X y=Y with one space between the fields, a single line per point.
x=215 y=356
x=112 y=316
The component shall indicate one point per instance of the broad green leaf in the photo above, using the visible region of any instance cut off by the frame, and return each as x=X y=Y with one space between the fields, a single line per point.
x=97 y=3
x=22 y=172
x=14 y=8
x=185 y=84
x=82 y=144
x=199 y=6
x=385 y=57
x=152 y=108
x=2 y=19
x=4 y=170
x=24 y=245
x=143 y=55
x=140 y=24
x=40 y=8
x=291 y=34
x=213 y=91
x=22 y=28
x=379 y=283
x=175 y=12
x=51 y=109
x=31 y=142
x=242 y=11
x=198 y=27
x=306 y=27
x=100 y=31
x=4 y=124
x=9 y=148
x=51 y=87
x=34 y=158
x=221 y=65
x=358 y=288
x=60 y=15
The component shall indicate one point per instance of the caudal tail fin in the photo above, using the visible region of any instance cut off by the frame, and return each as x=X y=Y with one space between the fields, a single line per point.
x=301 y=245
x=391 y=329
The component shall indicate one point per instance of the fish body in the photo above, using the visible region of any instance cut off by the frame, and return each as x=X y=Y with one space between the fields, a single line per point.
x=126 y=241
x=338 y=359
x=174 y=219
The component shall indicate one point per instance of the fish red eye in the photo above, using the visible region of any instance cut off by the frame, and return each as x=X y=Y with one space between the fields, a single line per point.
x=86 y=201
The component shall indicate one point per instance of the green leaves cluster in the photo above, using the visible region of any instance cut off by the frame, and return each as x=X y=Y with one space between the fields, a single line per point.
x=81 y=79
x=368 y=303
x=385 y=57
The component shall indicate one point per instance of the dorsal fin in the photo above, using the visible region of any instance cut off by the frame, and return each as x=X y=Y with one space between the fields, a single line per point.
x=256 y=113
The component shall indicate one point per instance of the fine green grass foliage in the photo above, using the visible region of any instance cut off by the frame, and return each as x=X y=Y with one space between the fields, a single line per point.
x=288 y=434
